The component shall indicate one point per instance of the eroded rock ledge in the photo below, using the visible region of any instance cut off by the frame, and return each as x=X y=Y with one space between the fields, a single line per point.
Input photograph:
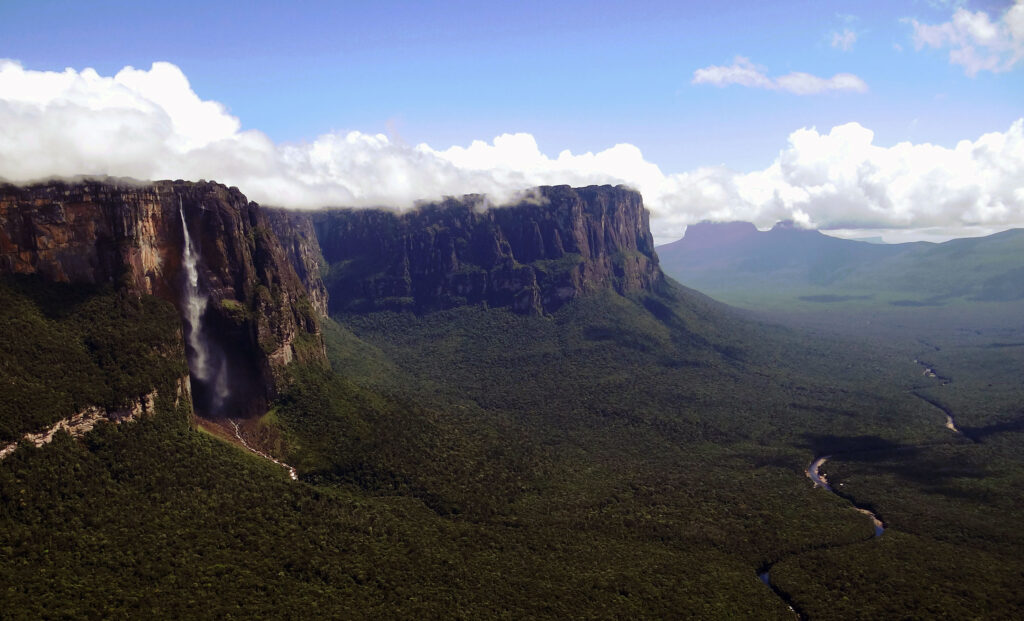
x=82 y=422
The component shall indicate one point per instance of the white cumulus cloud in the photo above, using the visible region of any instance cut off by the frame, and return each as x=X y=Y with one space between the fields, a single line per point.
x=841 y=179
x=976 y=41
x=150 y=124
x=745 y=73
x=844 y=40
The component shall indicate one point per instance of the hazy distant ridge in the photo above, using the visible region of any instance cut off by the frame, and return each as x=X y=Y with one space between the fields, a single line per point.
x=727 y=258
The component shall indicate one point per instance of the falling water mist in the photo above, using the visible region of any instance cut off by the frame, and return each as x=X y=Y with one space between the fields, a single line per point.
x=205 y=368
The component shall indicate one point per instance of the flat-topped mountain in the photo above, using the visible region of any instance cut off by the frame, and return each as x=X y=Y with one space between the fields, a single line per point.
x=261 y=277
x=731 y=252
x=533 y=256
x=708 y=236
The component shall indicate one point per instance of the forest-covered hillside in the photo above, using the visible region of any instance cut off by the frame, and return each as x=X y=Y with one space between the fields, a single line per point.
x=622 y=457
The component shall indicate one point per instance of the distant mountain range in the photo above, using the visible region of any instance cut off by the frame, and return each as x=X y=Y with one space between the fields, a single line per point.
x=739 y=264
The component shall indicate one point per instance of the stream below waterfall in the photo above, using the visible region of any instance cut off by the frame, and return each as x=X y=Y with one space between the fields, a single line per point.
x=943 y=381
x=238 y=434
x=819 y=480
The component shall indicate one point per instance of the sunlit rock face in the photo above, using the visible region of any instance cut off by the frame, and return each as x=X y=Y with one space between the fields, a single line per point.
x=533 y=256
x=257 y=316
x=91 y=232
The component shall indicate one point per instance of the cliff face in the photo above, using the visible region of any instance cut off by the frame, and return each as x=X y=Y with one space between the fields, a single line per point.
x=70 y=232
x=258 y=271
x=298 y=239
x=533 y=257
x=259 y=316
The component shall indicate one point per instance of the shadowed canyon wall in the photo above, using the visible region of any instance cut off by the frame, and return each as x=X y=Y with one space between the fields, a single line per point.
x=533 y=256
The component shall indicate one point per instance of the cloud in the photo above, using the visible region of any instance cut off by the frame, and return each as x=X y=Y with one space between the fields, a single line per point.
x=741 y=71
x=745 y=73
x=841 y=179
x=975 y=41
x=149 y=124
x=844 y=40
x=152 y=125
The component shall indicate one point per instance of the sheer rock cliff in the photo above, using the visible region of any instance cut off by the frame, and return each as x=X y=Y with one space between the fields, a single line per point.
x=129 y=234
x=533 y=256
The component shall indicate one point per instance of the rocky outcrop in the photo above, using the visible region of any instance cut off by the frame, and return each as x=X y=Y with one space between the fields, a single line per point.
x=81 y=423
x=533 y=256
x=260 y=316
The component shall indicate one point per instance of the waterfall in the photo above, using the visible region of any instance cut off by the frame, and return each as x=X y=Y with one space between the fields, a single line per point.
x=195 y=305
x=201 y=363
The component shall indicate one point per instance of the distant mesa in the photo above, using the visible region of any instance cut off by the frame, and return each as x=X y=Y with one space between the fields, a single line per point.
x=831 y=299
x=710 y=234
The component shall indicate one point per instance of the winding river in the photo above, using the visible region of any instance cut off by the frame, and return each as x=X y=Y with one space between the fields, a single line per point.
x=813 y=472
x=819 y=480
x=943 y=381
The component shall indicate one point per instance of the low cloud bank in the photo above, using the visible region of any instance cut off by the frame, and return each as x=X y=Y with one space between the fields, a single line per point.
x=149 y=124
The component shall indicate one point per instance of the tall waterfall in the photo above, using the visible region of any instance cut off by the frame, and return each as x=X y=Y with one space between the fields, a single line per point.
x=202 y=364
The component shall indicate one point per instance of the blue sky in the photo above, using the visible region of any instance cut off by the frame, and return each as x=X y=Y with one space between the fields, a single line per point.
x=574 y=75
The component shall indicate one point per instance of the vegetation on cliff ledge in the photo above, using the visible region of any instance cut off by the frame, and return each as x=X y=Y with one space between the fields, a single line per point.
x=64 y=347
